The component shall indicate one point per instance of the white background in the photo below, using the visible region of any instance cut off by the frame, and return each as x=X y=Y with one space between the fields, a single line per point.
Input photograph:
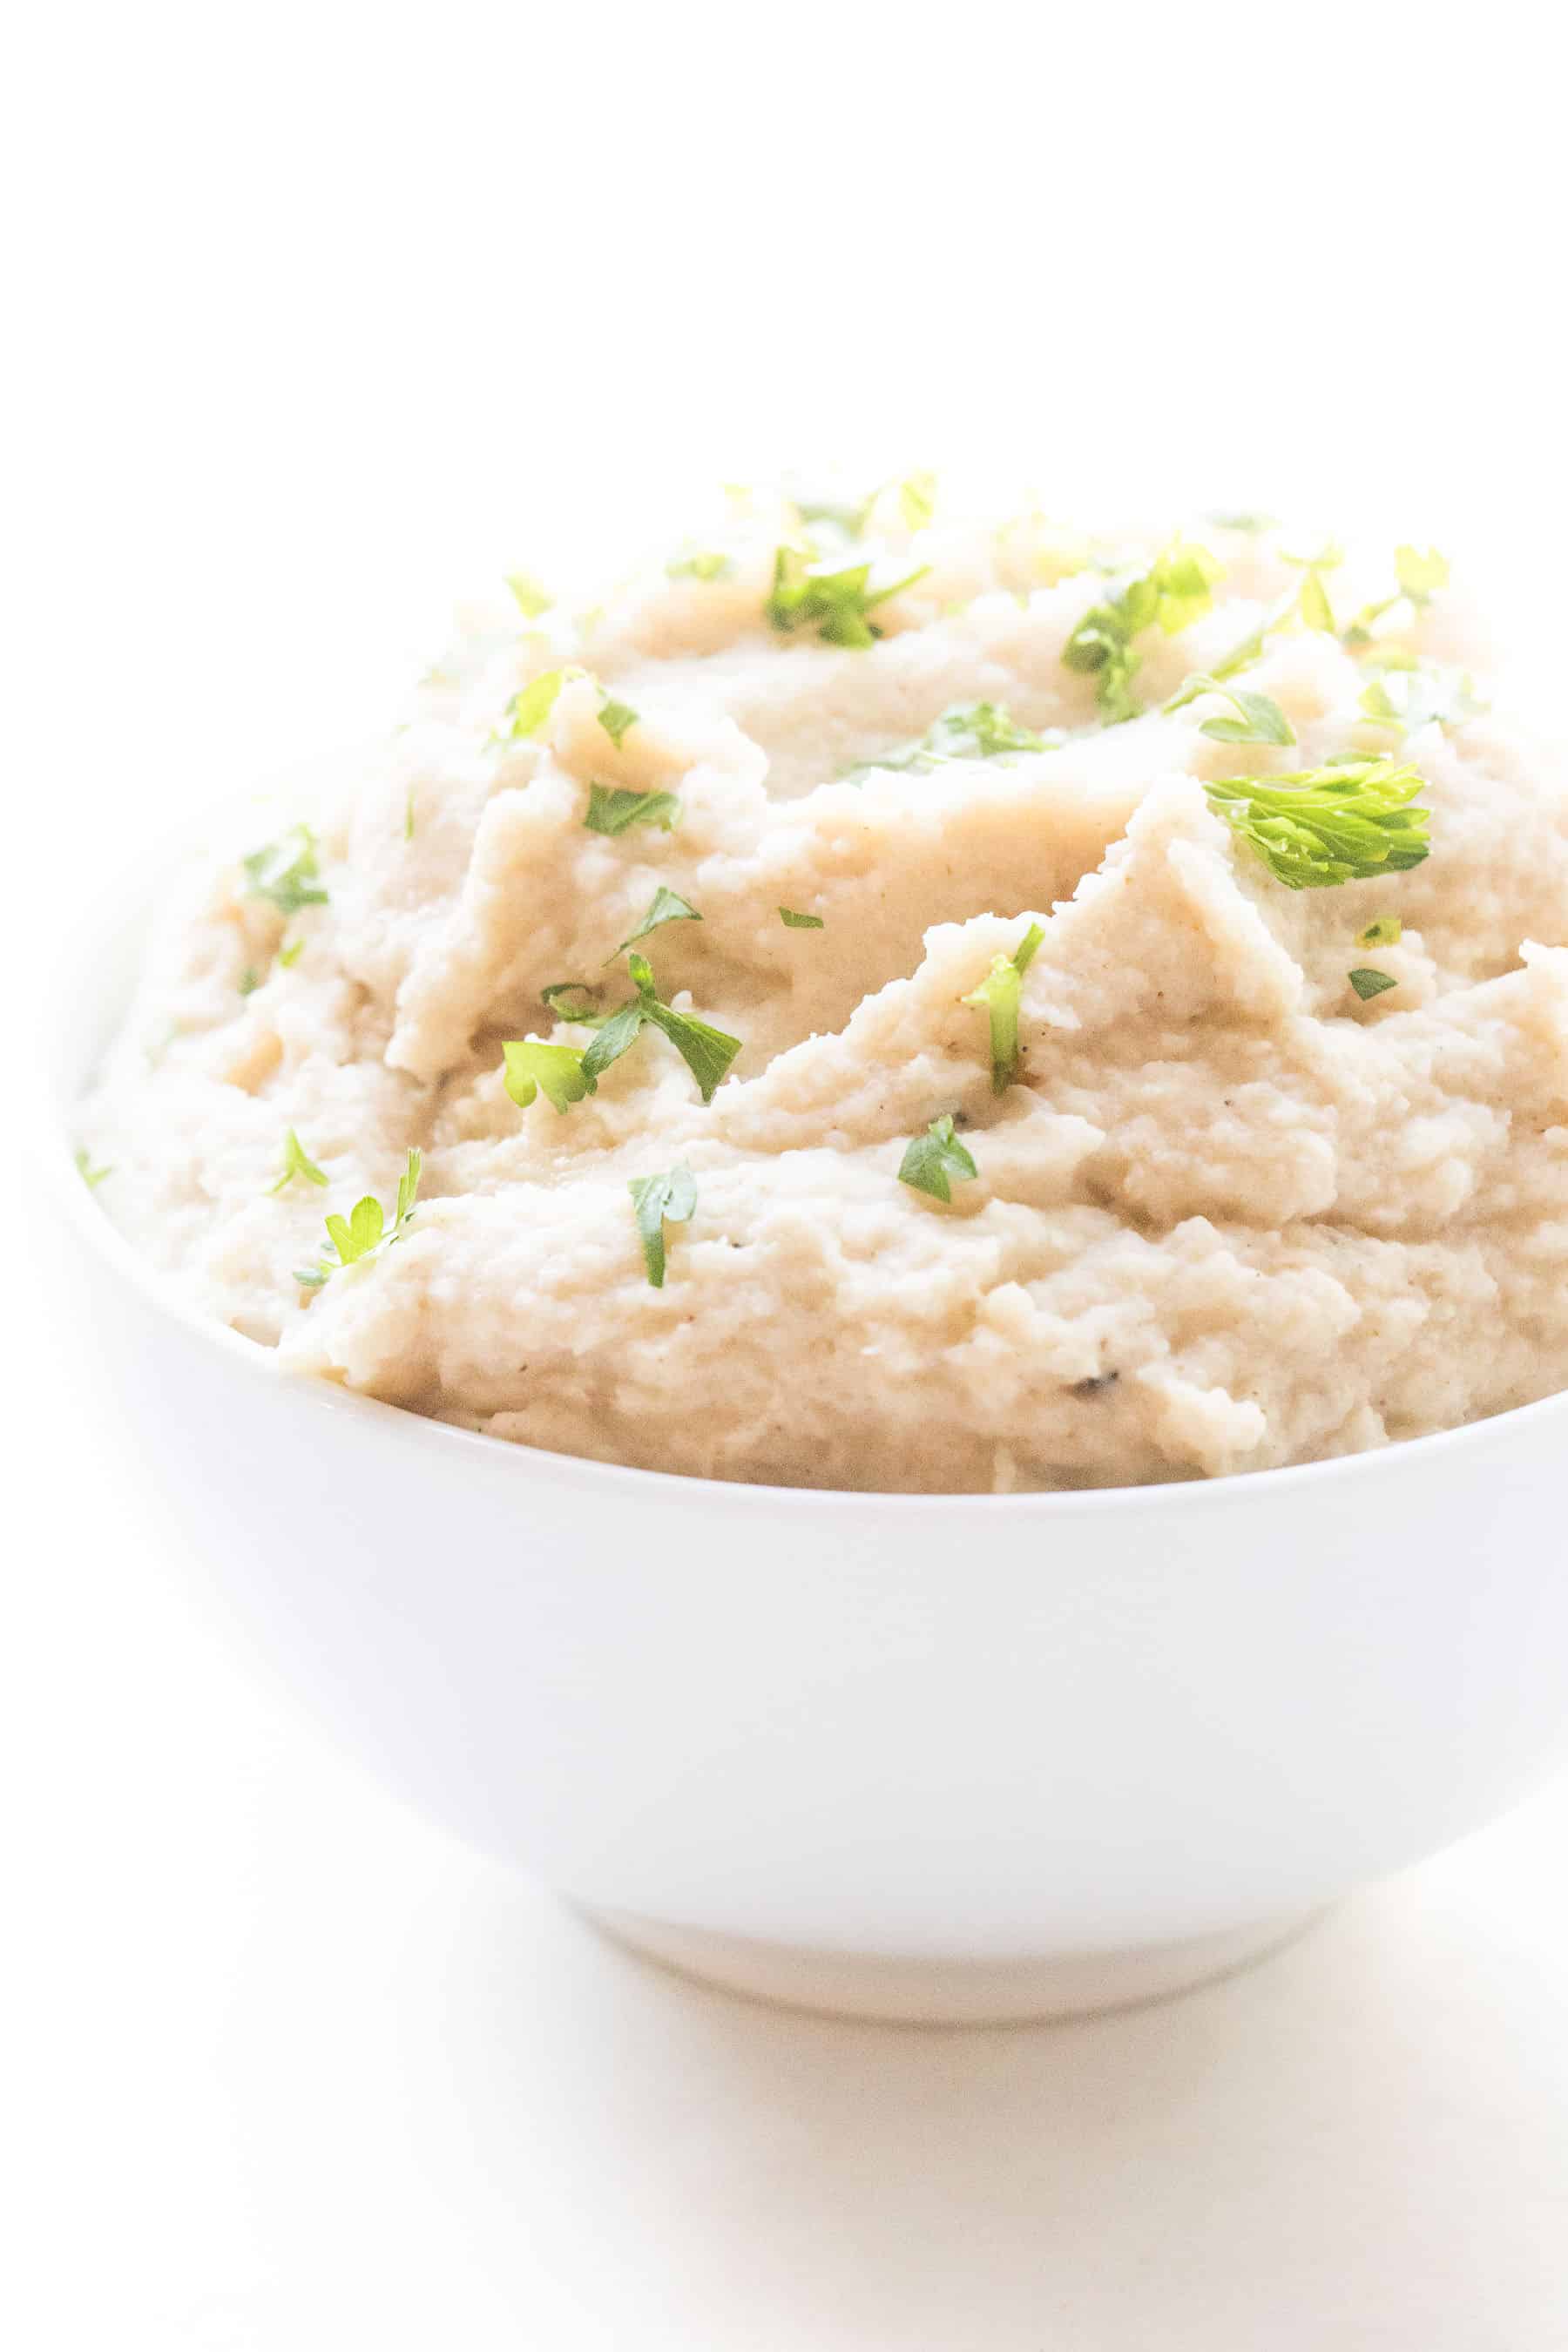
x=320 y=316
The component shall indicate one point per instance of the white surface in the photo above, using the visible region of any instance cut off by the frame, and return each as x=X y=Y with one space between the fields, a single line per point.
x=317 y=313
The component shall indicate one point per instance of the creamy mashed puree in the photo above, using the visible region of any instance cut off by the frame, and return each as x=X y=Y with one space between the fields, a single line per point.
x=1250 y=1111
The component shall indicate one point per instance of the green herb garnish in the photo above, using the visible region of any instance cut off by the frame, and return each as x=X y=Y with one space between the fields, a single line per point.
x=665 y=906
x=999 y=994
x=289 y=953
x=933 y=1160
x=1324 y=825
x=285 y=872
x=552 y=999
x=1386 y=932
x=613 y=809
x=532 y=705
x=1176 y=590
x=1412 y=694
x=297 y=1161
x=834 y=599
x=91 y=1176
x=1258 y=718
x=964 y=731
x=917 y=501
x=250 y=981
x=363 y=1231
x=1367 y=981
x=1418 y=574
x=793 y=922
x=706 y=564
x=658 y=1201
x=554 y=1071
x=408 y=815
x=706 y=1051
x=531 y=599
x=615 y=717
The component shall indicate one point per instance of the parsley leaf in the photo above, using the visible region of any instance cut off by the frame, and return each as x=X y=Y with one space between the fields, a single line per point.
x=1419 y=693
x=1258 y=719
x=1324 y=825
x=408 y=815
x=1176 y=590
x=834 y=598
x=665 y=906
x=289 y=953
x=613 y=809
x=656 y=1201
x=531 y=599
x=793 y=922
x=285 y=872
x=705 y=564
x=615 y=717
x=964 y=731
x=250 y=981
x=586 y=1012
x=297 y=1161
x=556 y=1071
x=1367 y=981
x=1386 y=932
x=930 y=1161
x=1419 y=573
x=91 y=1176
x=363 y=1231
x=917 y=501
x=706 y=1051
x=999 y=994
x=532 y=705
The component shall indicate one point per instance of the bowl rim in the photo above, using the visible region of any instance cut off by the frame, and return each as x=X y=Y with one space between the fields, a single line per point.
x=47 y=1141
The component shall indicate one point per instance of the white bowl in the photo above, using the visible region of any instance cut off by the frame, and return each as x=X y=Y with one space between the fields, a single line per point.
x=916 y=1757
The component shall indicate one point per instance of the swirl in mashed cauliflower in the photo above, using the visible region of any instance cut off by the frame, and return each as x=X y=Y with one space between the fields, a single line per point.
x=1053 y=1138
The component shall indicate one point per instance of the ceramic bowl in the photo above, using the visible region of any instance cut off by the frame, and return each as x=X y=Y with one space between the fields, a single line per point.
x=911 y=1756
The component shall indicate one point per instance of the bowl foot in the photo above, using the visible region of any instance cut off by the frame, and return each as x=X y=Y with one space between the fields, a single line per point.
x=920 y=1991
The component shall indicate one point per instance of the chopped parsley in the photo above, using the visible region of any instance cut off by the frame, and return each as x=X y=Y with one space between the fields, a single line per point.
x=553 y=997
x=566 y=1076
x=999 y=994
x=1367 y=981
x=706 y=1051
x=289 y=953
x=834 y=598
x=917 y=501
x=932 y=1161
x=615 y=717
x=613 y=809
x=531 y=599
x=285 y=872
x=297 y=1161
x=532 y=705
x=1324 y=825
x=1418 y=574
x=1258 y=718
x=658 y=1201
x=91 y=1176
x=554 y=1071
x=793 y=922
x=1412 y=694
x=250 y=981
x=1176 y=590
x=705 y=564
x=964 y=731
x=665 y=906
x=408 y=815
x=1386 y=932
x=357 y=1236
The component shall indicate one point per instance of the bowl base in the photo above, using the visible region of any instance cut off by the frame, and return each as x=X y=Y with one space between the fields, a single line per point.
x=917 y=1992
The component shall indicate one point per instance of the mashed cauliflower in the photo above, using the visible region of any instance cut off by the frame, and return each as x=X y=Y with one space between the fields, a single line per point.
x=1054 y=1137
